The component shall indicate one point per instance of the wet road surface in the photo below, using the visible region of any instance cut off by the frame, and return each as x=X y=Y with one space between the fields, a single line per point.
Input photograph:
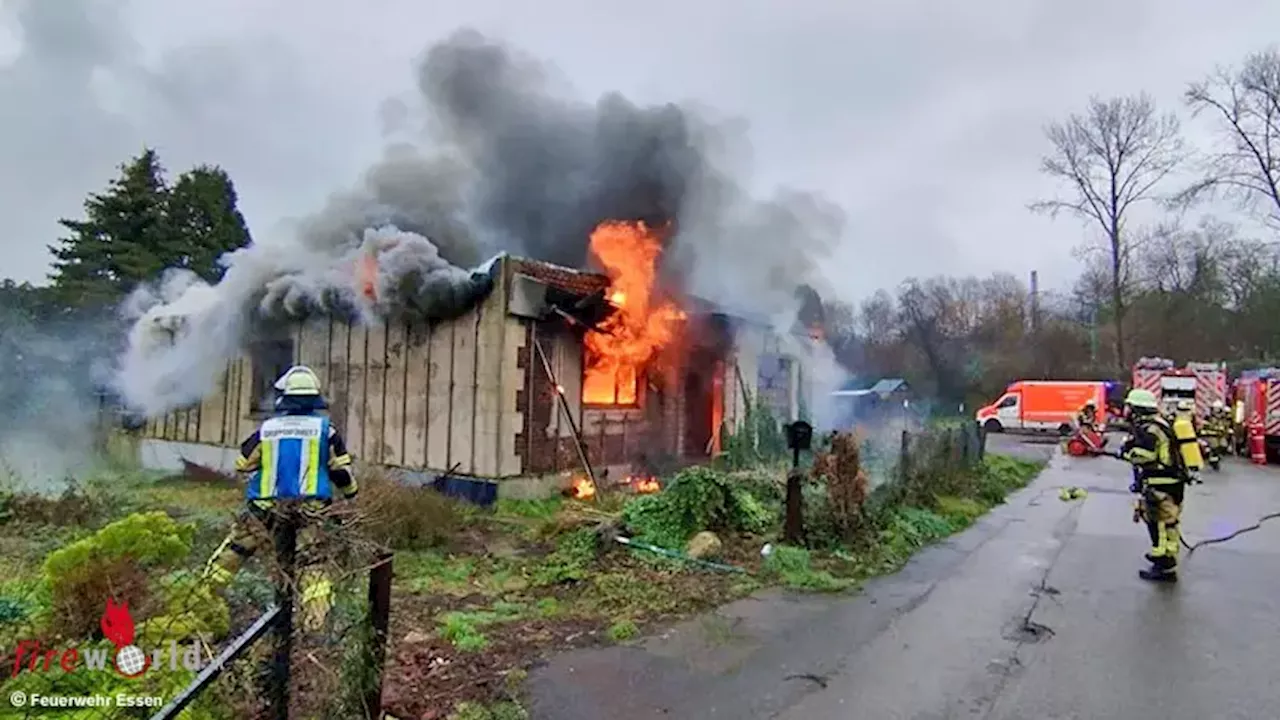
x=1035 y=613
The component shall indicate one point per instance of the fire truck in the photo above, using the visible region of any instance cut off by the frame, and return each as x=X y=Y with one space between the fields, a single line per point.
x=1200 y=382
x=1255 y=402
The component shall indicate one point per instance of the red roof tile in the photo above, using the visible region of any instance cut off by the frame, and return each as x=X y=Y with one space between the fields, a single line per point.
x=575 y=281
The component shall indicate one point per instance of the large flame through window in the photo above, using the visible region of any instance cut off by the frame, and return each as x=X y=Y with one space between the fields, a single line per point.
x=615 y=357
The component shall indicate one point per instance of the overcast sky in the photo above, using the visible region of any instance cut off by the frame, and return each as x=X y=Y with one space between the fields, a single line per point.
x=922 y=119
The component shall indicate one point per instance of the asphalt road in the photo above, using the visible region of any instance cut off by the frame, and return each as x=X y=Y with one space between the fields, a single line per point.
x=1035 y=613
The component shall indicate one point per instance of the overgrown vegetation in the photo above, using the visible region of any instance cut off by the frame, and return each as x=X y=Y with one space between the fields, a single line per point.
x=481 y=593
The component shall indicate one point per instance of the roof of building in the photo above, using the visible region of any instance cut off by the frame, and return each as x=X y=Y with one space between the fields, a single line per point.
x=888 y=385
x=578 y=282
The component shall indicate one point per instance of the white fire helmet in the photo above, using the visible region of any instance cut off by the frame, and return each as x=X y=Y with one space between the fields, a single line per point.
x=298 y=380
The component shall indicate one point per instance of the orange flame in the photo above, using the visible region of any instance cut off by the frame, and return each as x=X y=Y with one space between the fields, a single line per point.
x=582 y=488
x=630 y=336
x=646 y=485
x=367 y=275
x=117 y=624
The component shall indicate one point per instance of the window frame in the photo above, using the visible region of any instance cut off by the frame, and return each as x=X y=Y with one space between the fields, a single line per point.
x=639 y=388
x=263 y=352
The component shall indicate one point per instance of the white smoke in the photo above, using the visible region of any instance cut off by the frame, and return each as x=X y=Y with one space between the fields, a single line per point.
x=184 y=330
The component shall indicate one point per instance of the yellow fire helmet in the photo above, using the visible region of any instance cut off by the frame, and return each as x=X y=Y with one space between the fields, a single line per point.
x=298 y=380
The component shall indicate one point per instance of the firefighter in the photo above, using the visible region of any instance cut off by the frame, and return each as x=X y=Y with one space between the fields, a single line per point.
x=294 y=461
x=1152 y=449
x=1217 y=428
x=1087 y=417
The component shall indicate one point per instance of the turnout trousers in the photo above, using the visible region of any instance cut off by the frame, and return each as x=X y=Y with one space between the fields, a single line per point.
x=257 y=527
x=1162 y=512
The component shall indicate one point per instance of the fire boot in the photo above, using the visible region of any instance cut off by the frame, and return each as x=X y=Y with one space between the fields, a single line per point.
x=1162 y=569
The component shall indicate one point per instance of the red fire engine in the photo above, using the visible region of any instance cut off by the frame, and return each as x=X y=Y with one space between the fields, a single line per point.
x=1200 y=382
x=1255 y=404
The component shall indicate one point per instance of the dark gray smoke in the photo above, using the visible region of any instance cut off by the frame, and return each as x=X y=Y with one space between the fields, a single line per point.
x=503 y=164
x=507 y=164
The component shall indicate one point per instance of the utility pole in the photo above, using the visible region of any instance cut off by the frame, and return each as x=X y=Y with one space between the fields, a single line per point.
x=1035 y=323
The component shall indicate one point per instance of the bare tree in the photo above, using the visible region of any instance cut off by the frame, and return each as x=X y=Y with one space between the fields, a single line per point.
x=1112 y=158
x=1245 y=102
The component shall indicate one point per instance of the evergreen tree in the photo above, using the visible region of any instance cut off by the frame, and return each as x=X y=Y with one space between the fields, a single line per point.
x=140 y=226
x=203 y=213
x=122 y=241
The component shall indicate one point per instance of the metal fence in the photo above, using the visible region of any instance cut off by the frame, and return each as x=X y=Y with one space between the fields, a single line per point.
x=112 y=630
x=951 y=447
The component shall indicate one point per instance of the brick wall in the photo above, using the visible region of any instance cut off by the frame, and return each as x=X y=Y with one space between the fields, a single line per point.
x=648 y=438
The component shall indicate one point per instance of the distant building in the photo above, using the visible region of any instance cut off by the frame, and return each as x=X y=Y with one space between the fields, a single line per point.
x=881 y=401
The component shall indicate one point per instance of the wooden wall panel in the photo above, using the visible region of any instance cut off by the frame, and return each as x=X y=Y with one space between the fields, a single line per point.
x=490 y=337
x=313 y=348
x=375 y=395
x=211 y=413
x=357 y=399
x=440 y=396
x=246 y=421
x=417 y=380
x=337 y=389
x=394 y=396
x=191 y=433
x=464 y=390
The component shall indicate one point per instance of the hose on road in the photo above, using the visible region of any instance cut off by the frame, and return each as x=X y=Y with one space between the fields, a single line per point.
x=1213 y=541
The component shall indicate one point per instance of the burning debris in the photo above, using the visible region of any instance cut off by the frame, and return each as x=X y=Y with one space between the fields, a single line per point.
x=642 y=485
x=582 y=488
x=618 y=351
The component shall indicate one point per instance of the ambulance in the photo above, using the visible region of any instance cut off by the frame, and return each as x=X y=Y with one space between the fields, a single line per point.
x=1043 y=406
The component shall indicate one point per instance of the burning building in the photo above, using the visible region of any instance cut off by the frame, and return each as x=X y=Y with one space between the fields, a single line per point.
x=547 y=367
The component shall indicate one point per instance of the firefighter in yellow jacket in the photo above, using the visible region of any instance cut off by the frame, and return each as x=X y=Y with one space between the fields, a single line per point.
x=1162 y=476
x=297 y=458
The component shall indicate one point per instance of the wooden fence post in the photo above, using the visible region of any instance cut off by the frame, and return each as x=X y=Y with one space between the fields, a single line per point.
x=379 y=620
x=904 y=455
x=286 y=542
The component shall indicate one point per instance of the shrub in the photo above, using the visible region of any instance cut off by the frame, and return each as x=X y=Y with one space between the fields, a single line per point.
x=401 y=516
x=72 y=507
x=623 y=630
x=114 y=562
x=841 y=472
x=696 y=499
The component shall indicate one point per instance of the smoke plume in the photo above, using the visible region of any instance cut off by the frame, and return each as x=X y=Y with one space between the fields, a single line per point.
x=504 y=163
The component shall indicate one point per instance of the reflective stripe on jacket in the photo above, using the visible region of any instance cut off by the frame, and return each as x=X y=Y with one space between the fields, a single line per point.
x=294 y=460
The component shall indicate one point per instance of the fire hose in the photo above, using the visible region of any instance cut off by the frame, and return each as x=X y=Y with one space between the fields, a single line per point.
x=1139 y=513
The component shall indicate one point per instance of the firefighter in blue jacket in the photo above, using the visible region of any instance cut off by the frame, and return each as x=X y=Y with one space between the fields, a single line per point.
x=295 y=456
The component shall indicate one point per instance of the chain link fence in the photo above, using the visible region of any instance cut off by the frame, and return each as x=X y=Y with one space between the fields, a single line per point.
x=122 y=621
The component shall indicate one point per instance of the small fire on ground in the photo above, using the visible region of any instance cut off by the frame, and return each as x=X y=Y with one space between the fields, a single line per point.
x=643 y=485
x=582 y=488
x=642 y=324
